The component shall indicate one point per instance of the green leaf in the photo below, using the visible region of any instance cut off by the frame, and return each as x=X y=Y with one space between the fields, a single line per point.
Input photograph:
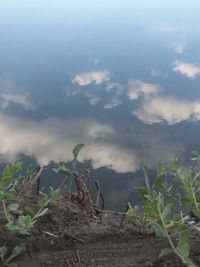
x=42 y=213
x=150 y=210
x=146 y=178
x=196 y=212
x=184 y=250
x=23 y=225
x=11 y=227
x=12 y=207
x=6 y=195
x=30 y=170
x=166 y=212
x=183 y=238
x=160 y=179
x=165 y=252
x=196 y=228
x=76 y=151
x=16 y=252
x=12 y=169
x=3 y=251
x=63 y=170
x=159 y=167
x=142 y=191
x=55 y=194
x=169 y=225
x=29 y=209
x=19 y=183
x=183 y=246
x=5 y=182
x=159 y=231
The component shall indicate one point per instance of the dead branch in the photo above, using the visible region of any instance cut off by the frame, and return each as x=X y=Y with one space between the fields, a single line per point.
x=51 y=234
x=28 y=187
x=126 y=210
x=99 y=195
x=78 y=256
x=83 y=195
x=102 y=206
x=38 y=186
x=129 y=206
x=111 y=211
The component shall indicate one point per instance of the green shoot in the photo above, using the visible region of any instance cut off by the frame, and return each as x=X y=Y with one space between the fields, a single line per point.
x=6 y=260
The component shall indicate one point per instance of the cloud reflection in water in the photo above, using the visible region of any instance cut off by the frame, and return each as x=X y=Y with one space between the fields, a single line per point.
x=54 y=139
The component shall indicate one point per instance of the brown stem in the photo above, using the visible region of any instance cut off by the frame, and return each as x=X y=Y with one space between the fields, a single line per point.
x=28 y=187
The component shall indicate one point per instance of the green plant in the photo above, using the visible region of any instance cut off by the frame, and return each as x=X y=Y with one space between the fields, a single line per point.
x=6 y=259
x=23 y=224
x=139 y=219
x=63 y=169
x=12 y=181
x=166 y=224
x=20 y=221
x=71 y=172
x=173 y=192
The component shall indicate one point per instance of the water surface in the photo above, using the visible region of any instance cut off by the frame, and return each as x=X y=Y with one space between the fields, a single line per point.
x=122 y=77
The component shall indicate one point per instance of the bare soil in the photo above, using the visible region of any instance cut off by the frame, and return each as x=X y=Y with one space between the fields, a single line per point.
x=67 y=237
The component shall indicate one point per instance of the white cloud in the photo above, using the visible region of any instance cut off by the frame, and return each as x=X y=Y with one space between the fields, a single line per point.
x=177 y=47
x=51 y=140
x=96 y=76
x=11 y=93
x=93 y=99
x=113 y=103
x=117 y=88
x=54 y=139
x=22 y=99
x=187 y=69
x=168 y=109
x=113 y=157
x=137 y=88
x=48 y=139
x=97 y=130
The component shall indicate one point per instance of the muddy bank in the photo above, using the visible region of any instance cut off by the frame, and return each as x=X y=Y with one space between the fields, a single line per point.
x=67 y=236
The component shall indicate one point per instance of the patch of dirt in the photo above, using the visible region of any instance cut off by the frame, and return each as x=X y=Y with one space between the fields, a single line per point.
x=67 y=237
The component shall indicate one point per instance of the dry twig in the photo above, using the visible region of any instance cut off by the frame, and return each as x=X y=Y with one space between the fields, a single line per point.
x=28 y=187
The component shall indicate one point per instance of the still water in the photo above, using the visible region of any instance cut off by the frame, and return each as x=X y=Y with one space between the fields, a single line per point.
x=122 y=77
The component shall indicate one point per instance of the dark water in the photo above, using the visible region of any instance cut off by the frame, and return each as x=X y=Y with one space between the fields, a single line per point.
x=122 y=77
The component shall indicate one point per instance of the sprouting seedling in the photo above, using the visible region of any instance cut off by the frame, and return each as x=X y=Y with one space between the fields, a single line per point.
x=77 y=150
x=6 y=259
x=63 y=169
x=69 y=172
